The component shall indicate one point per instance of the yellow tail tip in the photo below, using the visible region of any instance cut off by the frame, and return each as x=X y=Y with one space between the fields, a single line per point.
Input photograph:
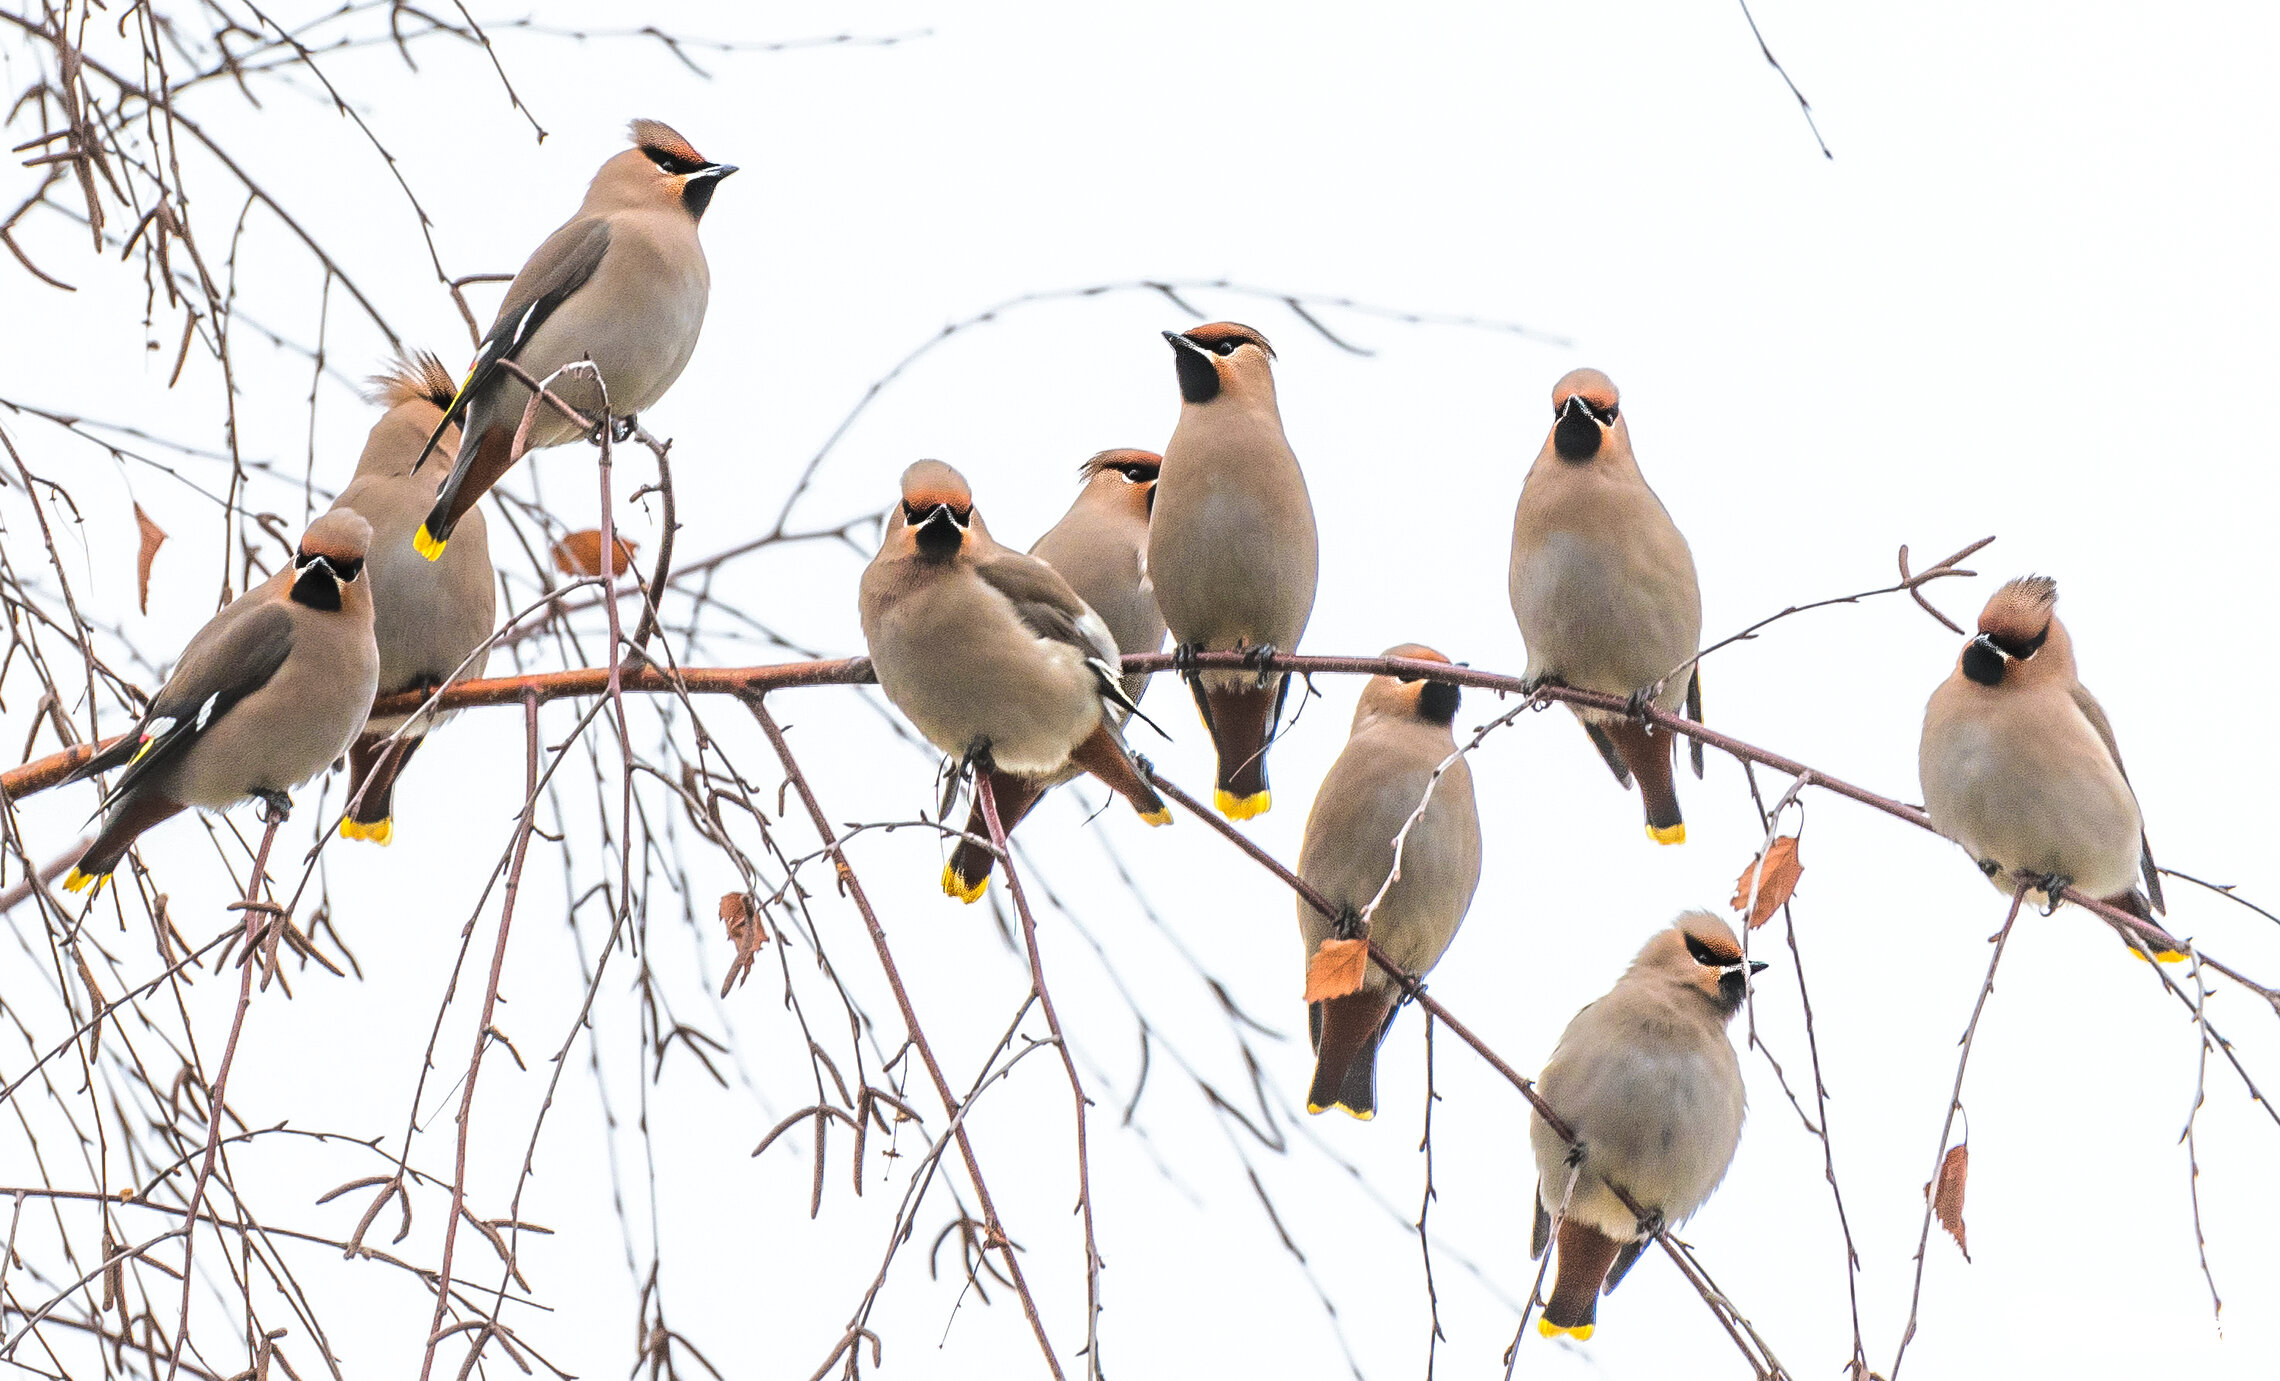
x=381 y=833
x=1581 y=1332
x=1236 y=807
x=1157 y=817
x=79 y=881
x=1317 y=1109
x=2166 y=956
x=956 y=886
x=427 y=545
x=1667 y=834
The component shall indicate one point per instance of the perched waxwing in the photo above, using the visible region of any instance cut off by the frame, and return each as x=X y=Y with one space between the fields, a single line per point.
x=1401 y=735
x=2019 y=764
x=623 y=283
x=989 y=652
x=266 y=696
x=1648 y=1082
x=1603 y=586
x=1231 y=547
x=428 y=617
x=1097 y=547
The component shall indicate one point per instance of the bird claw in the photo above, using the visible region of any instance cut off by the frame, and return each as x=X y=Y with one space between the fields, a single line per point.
x=1641 y=701
x=2050 y=885
x=275 y=806
x=623 y=428
x=1347 y=924
x=1183 y=660
x=1258 y=659
x=1651 y=1223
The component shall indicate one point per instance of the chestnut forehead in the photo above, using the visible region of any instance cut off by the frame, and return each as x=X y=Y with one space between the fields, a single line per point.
x=1719 y=945
x=930 y=482
x=1596 y=389
x=1415 y=652
x=1220 y=331
x=1123 y=459
x=655 y=137
x=2023 y=606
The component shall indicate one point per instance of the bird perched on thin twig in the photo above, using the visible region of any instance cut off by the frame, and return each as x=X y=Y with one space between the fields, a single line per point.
x=989 y=652
x=1603 y=587
x=1098 y=547
x=267 y=694
x=624 y=284
x=1232 y=549
x=1648 y=1082
x=431 y=619
x=1401 y=736
x=2020 y=767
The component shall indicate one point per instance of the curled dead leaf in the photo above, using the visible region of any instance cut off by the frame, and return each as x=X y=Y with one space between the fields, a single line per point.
x=580 y=553
x=1336 y=969
x=153 y=536
x=744 y=931
x=1947 y=1199
x=1782 y=870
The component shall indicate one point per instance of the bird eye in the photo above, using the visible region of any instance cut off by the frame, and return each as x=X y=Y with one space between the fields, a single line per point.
x=1702 y=954
x=1137 y=474
x=1606 y=416
x=1225 y=347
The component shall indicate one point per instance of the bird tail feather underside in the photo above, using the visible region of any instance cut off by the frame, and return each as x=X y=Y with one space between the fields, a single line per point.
x=1647 y=752
x=967 y=874
x=1586 y=1253
x=1242 y=724
x=1346 y=1036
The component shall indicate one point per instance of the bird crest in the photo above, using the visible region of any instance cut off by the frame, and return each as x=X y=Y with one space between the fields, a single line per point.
x=2019 y=613
x=416 y=376
x=664 y=144
x=1228 y=334
x=1137 y=466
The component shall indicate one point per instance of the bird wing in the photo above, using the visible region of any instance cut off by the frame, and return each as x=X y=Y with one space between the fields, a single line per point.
x=2096 y=714
x=239 y=660
x=559 y=268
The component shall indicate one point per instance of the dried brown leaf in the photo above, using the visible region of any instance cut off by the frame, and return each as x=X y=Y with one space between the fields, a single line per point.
x=1781 y=873
x=1947 y=1200
x=153 y=537
x=1336 y=969
x=580 y=553
x=744 y=931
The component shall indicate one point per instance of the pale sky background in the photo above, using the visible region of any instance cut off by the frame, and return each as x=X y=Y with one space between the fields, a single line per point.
x=2031 y=296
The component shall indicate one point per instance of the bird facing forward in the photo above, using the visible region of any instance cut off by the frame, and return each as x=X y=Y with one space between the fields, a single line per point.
x=1232 y=550
x=1098 y=547
x=1603 y=587
x=988 y=652
x=2019 y=764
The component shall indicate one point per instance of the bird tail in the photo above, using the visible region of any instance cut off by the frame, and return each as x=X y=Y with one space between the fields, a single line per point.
x=1347 y=1031
x=2136 y=903
x=967 y=874
x=1242 y=723
x=1105 y=756
x=134 y=815
x=1647 y=753
x=1586 y=1253
x=485 y=453
x=373 y=767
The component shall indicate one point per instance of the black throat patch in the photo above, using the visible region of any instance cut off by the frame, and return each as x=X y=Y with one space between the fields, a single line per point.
x=1199 y=378
x=317 y=588
x=1577 y=437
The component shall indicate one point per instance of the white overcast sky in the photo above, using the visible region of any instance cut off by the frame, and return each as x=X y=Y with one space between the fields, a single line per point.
x=2032 y=296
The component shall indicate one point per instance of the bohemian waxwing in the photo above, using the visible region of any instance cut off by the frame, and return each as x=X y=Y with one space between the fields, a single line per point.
x=1231 y=547
x=431 y=619
x=2019 y=764
x=988 y=651
x=623 y=283
x=1603 y=586
x=1097 y=547
x=266 y=696
x=1648 y=1082
x=1401 y=734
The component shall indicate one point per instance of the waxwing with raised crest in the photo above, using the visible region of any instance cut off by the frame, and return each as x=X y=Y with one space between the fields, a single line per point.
x=2020 y=767
x=1647 y=1080
x=623 y=283
x=1232 y=550
x=432 y=620
x=1401 y=738
x=1098 y=547
x=266 y=696
x=1603 y=586
x=988 y=652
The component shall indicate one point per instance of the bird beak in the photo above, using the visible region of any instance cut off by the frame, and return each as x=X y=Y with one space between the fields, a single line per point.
x=1577 y=408
x=1986 y=643
x=1757 y=966
x=1180 y=342
x=714 y=170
